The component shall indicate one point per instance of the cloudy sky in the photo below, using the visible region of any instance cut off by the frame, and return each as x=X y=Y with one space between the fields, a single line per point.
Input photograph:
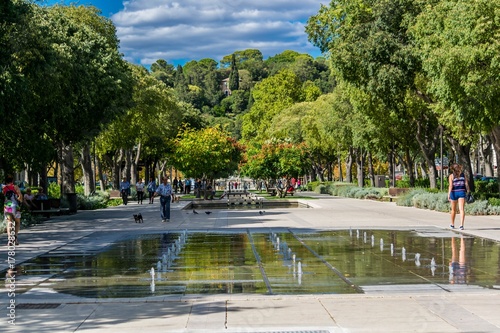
x=183 y=30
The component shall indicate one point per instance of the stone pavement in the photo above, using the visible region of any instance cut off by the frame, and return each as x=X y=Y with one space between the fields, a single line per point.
x=397 y=309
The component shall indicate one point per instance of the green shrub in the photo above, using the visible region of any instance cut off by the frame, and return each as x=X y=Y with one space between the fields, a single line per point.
x=432 y=201
x=351 y=191
x=96 y=201
x=54 y=190
x=494 y=210
x=480 y=207
x=494 y=201
x=422 y=182
x=406 y=199
x=312 y=185
x=321 y=189
x=404 y=182
x=330 y=188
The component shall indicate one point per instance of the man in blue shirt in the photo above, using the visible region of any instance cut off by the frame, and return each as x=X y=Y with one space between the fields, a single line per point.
x=125 y=190
x=164 y=190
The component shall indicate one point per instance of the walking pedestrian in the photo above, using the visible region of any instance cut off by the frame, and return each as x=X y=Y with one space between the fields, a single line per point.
x=176 y=184
x=125 y=190
x=139 y=186
x=457 y=190
x=151 y=189
x=164 y=190
x=12 y=209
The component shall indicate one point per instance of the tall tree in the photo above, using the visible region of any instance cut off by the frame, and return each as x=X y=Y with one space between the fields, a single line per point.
x=271 y=96
x=164 y=72
x=370 y=48
x=458 y=44
x=276 y=160
x=151 y=123
x=207 y=153
x=234 y=78
x=85 y=83
x=20 y=61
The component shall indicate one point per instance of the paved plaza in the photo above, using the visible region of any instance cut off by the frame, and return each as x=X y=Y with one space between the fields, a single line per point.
x=429 y=308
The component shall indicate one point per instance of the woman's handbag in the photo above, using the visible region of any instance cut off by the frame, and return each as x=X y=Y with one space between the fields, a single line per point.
x=469 y=198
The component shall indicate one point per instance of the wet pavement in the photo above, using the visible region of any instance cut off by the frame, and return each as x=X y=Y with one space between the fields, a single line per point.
x=343 y=265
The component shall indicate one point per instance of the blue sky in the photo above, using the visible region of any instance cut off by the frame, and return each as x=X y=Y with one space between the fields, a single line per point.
x=183 y=30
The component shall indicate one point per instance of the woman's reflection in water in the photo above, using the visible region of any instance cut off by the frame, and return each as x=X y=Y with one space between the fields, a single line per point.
x=458 y=268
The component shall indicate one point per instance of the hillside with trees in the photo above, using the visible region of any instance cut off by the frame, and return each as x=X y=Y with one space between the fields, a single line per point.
x=398 y=79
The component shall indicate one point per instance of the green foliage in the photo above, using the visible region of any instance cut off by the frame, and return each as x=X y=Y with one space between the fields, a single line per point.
x=352 y=191
x=494 y=201
x=321 y=189
x=421 y=198
x=164 y=72
x=97 y=201
x=458 y=44
x=312 y=185
x=54 y=190
x=432 y=201
x=275 y=160
x=209 y=153
x=271 y=96
x=486 y=187
x=242 y=57
x=234 y=78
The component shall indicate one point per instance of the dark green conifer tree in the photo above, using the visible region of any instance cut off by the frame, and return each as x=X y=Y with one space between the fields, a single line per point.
x=234 y=78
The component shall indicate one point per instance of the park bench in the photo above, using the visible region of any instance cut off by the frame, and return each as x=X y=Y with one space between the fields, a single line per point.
x=271 y=191
x=115 y=194
x=395 y=193
x=48 y=207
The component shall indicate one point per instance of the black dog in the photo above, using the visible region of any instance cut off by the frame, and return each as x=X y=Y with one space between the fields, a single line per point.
x=138 y=218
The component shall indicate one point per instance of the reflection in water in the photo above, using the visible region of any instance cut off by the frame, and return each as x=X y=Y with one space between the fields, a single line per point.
x=285 y=262
x=458 y=265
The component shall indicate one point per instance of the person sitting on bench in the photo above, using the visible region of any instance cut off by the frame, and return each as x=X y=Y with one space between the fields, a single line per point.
x=29 y=199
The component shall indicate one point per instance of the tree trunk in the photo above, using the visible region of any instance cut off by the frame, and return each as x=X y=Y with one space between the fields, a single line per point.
x=360 y=172
x=88 y=172
x=135 y=164
x=127 y=171
x=428 y=143
x=163 y=167
x=67 y=169
x=371 y=172
x=117 y=168
x=409 y=166
x=42 y=180
x=348 y=166
x=341 y=175
x=102 y=180
x=495 y=134
x=485 y=153
x=318 y=171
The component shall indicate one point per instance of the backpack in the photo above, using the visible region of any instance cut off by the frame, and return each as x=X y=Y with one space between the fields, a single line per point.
x=10 y=193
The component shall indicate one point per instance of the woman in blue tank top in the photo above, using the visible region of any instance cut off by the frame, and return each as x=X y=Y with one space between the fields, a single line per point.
x=457 y=190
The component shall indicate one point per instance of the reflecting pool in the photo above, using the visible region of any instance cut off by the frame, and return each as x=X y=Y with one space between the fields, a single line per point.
x=274 y=262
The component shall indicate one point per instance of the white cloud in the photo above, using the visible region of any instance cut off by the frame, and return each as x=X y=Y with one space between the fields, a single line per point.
x=186 y=30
